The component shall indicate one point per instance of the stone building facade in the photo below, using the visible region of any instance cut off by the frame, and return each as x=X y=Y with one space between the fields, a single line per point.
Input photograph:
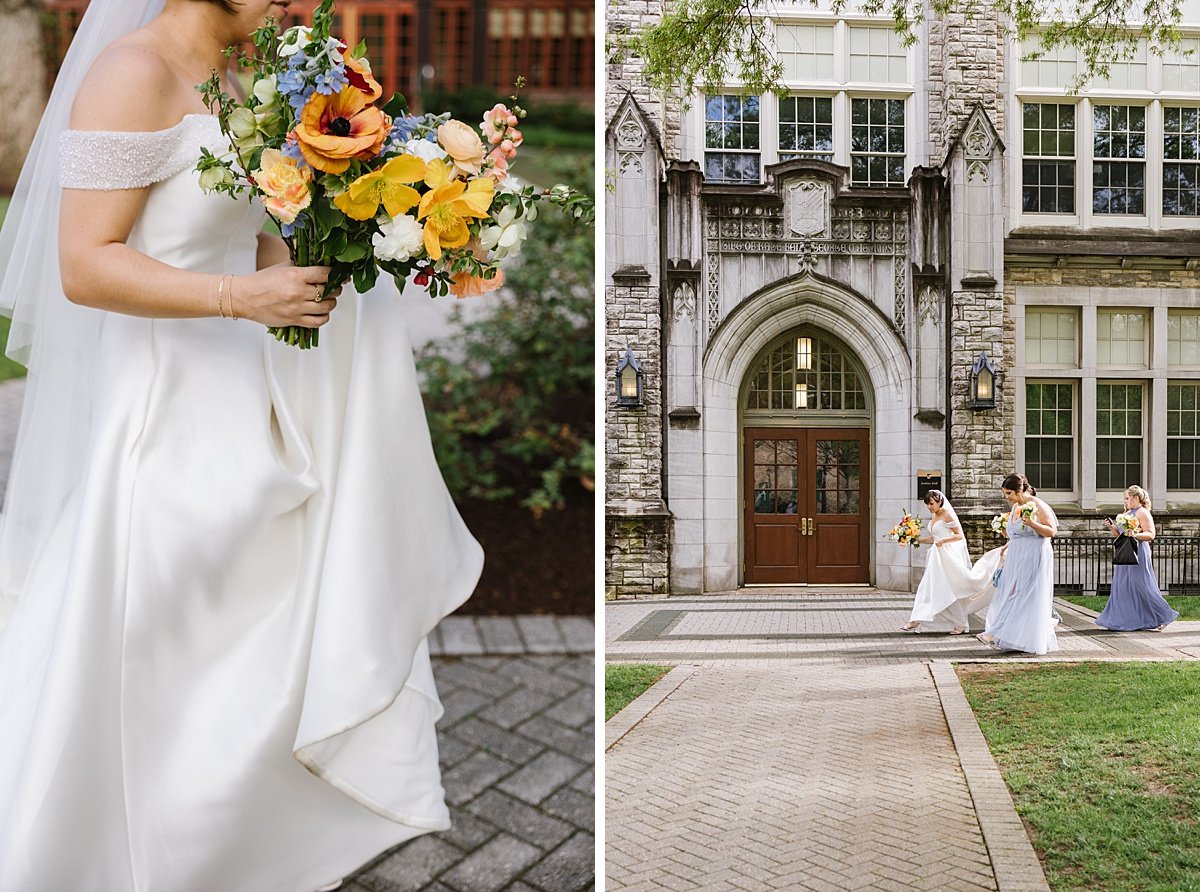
x=809 y=282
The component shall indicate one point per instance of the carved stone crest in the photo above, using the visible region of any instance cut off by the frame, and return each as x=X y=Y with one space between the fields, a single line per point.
x=685 y=300
x=807 y=207
x=630 y=134
x=978 y=140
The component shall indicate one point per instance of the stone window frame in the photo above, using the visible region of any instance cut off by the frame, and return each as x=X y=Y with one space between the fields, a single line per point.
x=840 y=89
x=1155 y=99
x=1087 y=300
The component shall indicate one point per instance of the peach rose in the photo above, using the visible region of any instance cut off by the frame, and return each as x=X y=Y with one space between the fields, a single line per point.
x=463 y=145
x=466 y=285
x=285 y=185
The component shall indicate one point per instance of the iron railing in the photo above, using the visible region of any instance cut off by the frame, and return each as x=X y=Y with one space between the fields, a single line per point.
x=1083 y=564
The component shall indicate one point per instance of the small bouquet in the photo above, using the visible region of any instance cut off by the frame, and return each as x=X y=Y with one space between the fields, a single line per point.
x=1128 y=524
x=999 y=524
x=907 y=531
x=362 y=187
x=1028 y=512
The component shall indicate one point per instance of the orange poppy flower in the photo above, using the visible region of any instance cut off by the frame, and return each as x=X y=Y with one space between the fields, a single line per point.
x=335 y=129
x=467 y=285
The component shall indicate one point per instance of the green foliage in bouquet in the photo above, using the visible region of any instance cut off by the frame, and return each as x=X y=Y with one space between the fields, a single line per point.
x=510 y=397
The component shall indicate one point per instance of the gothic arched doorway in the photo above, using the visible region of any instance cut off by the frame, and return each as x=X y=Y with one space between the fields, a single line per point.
x=806 y=463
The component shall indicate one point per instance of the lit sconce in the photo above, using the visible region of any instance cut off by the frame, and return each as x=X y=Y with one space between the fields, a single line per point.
x=804 y=354
x=983 y=384
x=629 y=380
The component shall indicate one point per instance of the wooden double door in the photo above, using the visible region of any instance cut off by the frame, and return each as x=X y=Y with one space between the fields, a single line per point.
x=807 y=505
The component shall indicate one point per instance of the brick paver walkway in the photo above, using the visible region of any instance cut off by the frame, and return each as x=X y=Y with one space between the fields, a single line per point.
x=804 y=744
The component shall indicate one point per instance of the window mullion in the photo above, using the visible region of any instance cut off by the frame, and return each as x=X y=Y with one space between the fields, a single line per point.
x=1084 y=151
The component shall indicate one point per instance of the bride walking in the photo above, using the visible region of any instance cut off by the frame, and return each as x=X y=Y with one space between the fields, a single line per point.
x=221 y=555
x=951 y=589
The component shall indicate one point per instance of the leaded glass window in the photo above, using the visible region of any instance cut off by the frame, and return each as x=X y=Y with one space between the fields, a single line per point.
x=1049 y=435
x=806 y=127
x=1183 y=436
x=1181 y=161
x=1048 y=165
x=731 y=137
x=877 y=54
x=806 y=373
x=1051 y=337
x=1119 y=434
x=1121 y=339
x=806 y=51
x=1183 y=338
x=877 y=142
x=1119 y=153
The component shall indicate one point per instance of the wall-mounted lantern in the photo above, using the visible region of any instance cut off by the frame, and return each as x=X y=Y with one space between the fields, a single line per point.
x=629 y=380
x=983 y=384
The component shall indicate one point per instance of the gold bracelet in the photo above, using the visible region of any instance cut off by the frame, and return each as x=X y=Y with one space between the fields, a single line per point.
x=221 y=298
x=232 y=314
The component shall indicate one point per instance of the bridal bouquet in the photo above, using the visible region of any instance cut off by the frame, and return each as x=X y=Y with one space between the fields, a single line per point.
x=1128 y=523
x=1028 y=512
x=907 y=531
x=362 y=187
x=999 y=524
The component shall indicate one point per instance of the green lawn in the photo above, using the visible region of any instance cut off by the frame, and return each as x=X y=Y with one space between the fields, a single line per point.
x=624 y=682
x=1187 y=605
x=1103 y=761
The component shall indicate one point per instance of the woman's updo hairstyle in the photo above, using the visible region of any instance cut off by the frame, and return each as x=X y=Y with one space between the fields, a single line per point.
x=1140 y=494
x=1018 y=483
x=935 y=495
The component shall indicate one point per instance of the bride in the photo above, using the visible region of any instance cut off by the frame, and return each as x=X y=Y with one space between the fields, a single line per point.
x=951 y=589
x=220 y=556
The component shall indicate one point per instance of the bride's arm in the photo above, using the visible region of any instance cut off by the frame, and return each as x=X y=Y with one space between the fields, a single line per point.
x=100 y=270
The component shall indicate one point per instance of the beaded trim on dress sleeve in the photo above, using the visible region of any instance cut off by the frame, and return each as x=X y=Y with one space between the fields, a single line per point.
x=106 y=160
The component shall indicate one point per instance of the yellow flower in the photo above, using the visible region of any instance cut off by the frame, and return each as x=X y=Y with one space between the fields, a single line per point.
x=284 y=184
x=385 y=186
x=439 y=173
x=462 y=144
x=447 y=209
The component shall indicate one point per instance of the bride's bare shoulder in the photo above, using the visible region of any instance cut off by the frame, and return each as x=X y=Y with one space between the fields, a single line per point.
x=130 y=87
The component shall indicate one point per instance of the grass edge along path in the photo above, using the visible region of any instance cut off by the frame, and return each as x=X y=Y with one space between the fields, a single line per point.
x=625 y=682
x=1103 y=763
x=1187 y=605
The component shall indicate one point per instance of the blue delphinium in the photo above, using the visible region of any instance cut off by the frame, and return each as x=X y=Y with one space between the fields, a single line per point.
x=332 y=81
x=293 y=83
x=287 y=229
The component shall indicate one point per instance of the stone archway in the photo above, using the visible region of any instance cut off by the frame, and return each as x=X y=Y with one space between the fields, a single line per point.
x=804 y=300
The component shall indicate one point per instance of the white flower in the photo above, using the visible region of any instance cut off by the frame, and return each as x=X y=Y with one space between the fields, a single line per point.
x=214 y=177
x=399 y=239
x=266 y=92
x=425 y=150
x=506 y=236
x=293 y=39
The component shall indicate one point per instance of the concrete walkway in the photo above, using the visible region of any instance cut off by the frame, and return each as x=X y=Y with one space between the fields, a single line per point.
x=803 y=742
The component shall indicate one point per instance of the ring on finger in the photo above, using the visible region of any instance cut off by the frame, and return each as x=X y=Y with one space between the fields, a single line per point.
x=320 y=297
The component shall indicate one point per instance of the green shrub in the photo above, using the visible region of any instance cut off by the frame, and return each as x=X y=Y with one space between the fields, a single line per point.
x=510 y=395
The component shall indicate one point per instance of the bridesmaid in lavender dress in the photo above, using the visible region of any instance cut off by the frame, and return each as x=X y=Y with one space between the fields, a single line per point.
x=1135 y=602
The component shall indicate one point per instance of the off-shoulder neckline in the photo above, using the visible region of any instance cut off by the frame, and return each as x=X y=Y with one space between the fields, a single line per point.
x=173 y=127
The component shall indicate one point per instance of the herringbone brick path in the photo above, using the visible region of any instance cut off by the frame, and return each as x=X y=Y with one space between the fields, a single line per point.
x=793 y=777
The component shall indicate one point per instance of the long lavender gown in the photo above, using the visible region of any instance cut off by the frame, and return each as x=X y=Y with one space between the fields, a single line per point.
x=1135 y=602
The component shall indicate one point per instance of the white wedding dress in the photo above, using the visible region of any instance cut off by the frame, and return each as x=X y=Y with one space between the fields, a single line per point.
x=952 y=589
x=216 y=677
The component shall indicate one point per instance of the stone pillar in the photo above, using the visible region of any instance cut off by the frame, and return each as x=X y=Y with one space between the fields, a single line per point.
x=637 y=523
x=981 y=441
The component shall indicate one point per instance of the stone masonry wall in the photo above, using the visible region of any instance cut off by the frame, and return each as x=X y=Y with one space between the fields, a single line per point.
x=966 y=66
x=623 y=69
x=982 y=445
x=637 y=556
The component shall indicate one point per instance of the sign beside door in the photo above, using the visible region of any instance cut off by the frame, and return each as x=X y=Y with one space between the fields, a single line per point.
x=806 y=505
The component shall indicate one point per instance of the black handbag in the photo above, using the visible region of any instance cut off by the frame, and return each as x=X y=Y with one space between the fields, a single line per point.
x=1125 y=551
